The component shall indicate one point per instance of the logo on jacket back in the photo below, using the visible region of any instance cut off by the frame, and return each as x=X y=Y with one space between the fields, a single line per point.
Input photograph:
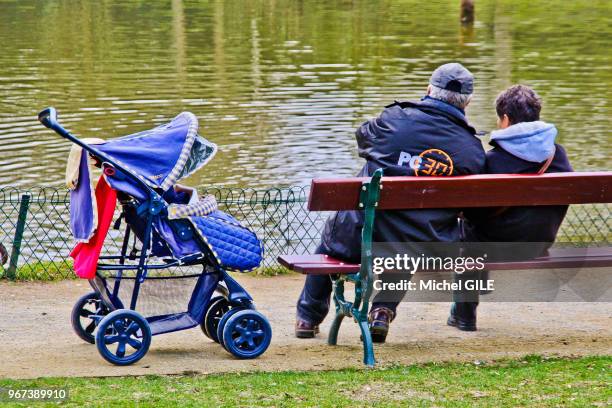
x=431 y=162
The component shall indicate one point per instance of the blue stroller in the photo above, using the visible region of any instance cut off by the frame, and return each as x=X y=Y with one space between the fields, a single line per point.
x=177 y=249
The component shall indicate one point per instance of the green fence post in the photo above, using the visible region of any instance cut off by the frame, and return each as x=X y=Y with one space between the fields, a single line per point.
x=20 y=227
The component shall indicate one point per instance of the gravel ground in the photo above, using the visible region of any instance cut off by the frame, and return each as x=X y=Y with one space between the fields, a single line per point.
x=36 y=339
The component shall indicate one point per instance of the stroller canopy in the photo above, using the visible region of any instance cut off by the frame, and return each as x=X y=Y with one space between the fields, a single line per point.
x=165 y=154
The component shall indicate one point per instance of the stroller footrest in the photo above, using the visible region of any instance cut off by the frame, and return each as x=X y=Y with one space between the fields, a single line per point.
x=171 y=323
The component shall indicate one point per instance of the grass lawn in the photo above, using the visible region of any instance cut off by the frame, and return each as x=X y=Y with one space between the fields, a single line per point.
x=54 y=271
x=533 y=382
x=41 y=271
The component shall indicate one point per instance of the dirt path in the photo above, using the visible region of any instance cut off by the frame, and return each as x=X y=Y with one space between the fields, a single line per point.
x=36 y=339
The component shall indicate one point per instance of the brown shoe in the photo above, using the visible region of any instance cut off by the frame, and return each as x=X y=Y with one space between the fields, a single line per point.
x=380 y=319
x=305 y=329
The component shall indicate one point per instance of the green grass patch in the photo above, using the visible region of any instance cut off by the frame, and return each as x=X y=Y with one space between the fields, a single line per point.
x=533 y=381
x=55 y=271
x=271 y=271
x=41 y=271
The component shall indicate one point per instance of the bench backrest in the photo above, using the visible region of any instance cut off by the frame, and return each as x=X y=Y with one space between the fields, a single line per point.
x=466 y=191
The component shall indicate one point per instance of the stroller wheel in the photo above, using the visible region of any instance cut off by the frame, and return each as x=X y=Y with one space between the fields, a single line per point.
x=247 y=334
x=223 y=320
x=86 y=313
x=123 y=337
x=217 y=307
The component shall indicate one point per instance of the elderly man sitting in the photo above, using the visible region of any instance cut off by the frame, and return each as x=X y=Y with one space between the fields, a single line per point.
x=428 y=138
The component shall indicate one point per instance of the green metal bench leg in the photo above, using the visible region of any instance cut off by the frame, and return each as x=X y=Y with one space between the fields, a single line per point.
x=368 y=200
x=368 y=347
x=332 y=339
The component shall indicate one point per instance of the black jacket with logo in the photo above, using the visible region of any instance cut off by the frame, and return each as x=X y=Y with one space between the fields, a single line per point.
x=425 y=138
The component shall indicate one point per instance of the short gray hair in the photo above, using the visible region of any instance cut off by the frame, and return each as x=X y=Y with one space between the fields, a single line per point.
x=454 y=98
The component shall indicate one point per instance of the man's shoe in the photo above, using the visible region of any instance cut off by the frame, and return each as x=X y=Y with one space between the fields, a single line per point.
x=463 y=316
x=380 y=319
x=305 y=329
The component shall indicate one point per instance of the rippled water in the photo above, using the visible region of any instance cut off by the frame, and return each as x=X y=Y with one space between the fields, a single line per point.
x=281 y=85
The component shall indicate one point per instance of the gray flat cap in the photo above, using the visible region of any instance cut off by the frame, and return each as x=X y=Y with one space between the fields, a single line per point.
x=453 y=77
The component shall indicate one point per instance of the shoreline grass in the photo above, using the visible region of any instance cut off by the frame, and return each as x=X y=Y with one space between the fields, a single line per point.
x=532 y=381
x=44 y=271
x=51 y=271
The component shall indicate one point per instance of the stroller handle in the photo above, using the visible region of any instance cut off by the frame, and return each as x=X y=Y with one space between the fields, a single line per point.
x=48 y=117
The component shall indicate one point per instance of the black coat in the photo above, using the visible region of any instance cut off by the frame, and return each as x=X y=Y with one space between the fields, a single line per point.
x=444 y=144
x=517 y=224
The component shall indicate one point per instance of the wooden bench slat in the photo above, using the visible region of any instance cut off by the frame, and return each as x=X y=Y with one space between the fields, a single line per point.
x=290 y=260
x=323 y=269
x=577 y=251
x=553 y=263
x=557 y=258
x=466 y=191
x=317 y=264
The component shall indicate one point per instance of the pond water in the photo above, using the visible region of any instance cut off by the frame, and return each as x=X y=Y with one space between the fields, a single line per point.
x=281 y=85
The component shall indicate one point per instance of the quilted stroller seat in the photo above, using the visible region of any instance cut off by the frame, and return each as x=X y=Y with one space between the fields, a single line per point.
x=191 y=237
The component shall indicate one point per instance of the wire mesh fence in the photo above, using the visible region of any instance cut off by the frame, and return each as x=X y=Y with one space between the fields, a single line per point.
x=35 y=227
x=35 y=230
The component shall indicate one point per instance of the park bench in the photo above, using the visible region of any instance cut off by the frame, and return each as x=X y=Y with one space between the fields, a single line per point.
x=401 y=193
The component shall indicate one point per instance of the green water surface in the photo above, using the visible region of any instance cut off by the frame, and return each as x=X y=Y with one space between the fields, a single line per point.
x=281 y=85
